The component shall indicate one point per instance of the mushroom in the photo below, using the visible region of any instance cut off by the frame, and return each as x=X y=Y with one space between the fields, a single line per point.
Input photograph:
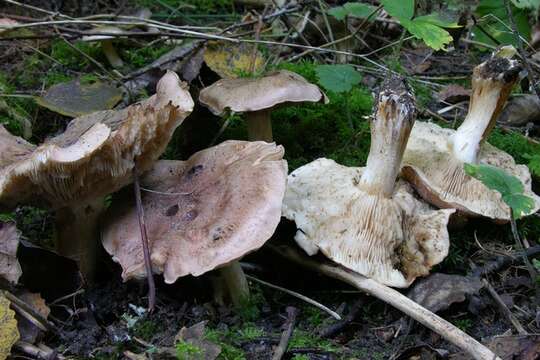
x=203 y=213
x=95 y=156
x=360 y=217
x=257 y=97
x=10 y=269
x=434 y=158
x=106 y=43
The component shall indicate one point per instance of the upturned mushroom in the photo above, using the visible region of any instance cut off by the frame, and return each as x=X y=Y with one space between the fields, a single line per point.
x=434 y=158
x=359 y=217
x=95 y=156
x=257 y=97
x=203 y=213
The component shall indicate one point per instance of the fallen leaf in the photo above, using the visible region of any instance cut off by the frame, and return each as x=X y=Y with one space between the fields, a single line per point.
x=8 y=328
x=453 y=94
x=438 y=291
x=518 y=347
x=10 y=269
x=194 y=335
x=521 y=110
x=75 y=99
x=192 y=65
x=229 y=60
x=28 y=331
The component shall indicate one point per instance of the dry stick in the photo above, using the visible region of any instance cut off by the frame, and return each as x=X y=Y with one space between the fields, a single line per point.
x=144 y=239
x=320 y=306
x=504 y=309
x=336 y=327
x=432 y=321
x=503 y=260
x=281 y=349
x=521 y=52
x=29 y=313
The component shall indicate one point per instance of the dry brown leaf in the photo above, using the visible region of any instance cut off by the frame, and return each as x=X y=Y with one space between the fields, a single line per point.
x=229 y=60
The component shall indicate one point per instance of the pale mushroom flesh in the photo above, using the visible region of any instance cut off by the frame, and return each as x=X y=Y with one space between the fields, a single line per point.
x=359 y=217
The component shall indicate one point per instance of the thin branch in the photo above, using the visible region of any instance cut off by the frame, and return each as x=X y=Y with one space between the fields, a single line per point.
x=320 y=306
x=504 y=309
x=281 y=349
x=144 y=240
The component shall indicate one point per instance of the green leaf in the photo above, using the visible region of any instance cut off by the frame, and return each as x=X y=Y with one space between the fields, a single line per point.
x=527 y=4
x=403 y=10
x=337 y=78
x=509 y=186
x=534 y=164
x=352 y=9
x=434 y=36
x=436 y=19
x=492 y=17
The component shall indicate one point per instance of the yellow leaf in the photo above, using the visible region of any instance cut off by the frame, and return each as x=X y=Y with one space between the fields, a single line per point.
x=229 y=60
x=8 y=328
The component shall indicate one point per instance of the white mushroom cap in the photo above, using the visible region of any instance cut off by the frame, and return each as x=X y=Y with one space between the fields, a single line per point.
x=220 y=204
x=109 y=29
x=97 y=153
x=10 y=269
x=434 y=159
x=254 y=94
x=359 y=217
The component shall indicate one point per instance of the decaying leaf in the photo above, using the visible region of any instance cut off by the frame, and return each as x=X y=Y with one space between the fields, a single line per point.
x=438 y=291
x=10 y=269
x=229 y=60
x=28 y=331
x=521 y=110
x=8 y=328
x=520 y=347
x=194 y=335
x=76 y=99
x=453 y=94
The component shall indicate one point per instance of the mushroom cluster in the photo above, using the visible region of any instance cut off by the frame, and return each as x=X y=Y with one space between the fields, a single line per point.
x=434 y=159
x=360 y=217
x=95 y=156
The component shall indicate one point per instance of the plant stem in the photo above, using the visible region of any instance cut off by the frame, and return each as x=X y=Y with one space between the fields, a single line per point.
x=259 y=126
x=236 y=283
x=144 y=239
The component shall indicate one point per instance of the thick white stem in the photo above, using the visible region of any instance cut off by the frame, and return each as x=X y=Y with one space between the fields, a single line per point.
x=480 y=119
x=390 y=131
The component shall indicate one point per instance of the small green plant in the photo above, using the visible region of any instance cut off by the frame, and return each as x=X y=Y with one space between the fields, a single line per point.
x=509 y=186
x=337 y=78
x=428 y=28
x=464 y=324
x=187 y=351
x=250 y=332
x=300 y=357
x=223 y=339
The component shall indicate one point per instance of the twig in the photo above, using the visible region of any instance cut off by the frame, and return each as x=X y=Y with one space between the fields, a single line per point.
x=337 y=327
x=521 y=52
x=504 y=309
x=320 y=306
x=36 y=352
x=144 y=239
x=503 y=260
x=29 y=313
x=292 y=312
x=432 y=321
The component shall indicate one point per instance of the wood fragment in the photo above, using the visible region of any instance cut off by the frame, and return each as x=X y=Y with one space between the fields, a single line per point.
x=338 y=326
x=504 y=309
x=445 y=329
x=281 y=349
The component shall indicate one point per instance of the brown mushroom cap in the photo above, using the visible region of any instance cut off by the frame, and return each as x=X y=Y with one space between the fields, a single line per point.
x=97 y=153
x=391 y=240
x=10 y=269
x=254 y=94
x=220 y=204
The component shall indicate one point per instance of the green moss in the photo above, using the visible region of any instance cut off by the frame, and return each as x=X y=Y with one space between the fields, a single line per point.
x=300 y=357
x=140 y=57
x=187 y=351
x=464 y=324
x=523 y=151
x=249 y=309
x=307 y=339
x=146 y=329
x=223 y=339
x=73 y=59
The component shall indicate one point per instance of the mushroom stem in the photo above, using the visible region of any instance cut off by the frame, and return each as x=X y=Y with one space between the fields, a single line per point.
x=390 y=129
x=236 y=283
x=259 y=126
x=77 y=235
x=492 y=82
x=111 y=54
